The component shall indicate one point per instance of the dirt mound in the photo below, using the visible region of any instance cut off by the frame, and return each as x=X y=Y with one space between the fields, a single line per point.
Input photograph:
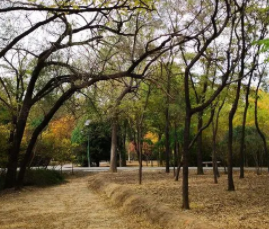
x=135 y=204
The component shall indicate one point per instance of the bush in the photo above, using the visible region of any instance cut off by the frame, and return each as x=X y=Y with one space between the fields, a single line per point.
x=42 y=177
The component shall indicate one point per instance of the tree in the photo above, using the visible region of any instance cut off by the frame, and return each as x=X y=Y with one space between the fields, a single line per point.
x=104 y=26
x=114 y=133
x=261 y=134
x=202 y=45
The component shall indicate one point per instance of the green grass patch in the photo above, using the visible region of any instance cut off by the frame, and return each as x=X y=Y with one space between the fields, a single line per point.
x=43 y=177
x=38 y=177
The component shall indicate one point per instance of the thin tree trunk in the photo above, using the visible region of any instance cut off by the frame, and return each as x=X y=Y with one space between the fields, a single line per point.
x=167 y=142
x=214 y=158
x=230 y=139
x=175 y=157
x=124 y=143
x=175 y=150
x=138 y=149
x=230 y=157
x=185 y=180
x=242 y=140
x=200 y=170
x=113 y=152
x=257 y=123
x=167 y=118
x=180 y=163
x=139 y=139
x=241 y=74
x=159 y=151
x=120 y=159
x=235 y=104
x=214 y=138
x=140 y=135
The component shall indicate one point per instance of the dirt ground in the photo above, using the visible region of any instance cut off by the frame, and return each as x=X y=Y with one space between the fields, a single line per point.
x=247 y=207
x=71 y=205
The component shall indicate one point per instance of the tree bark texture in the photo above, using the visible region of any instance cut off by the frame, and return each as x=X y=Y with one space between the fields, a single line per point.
x=214 y=139
x=230 y=138
x=241 y=75
x=200 y=170
x=185 y=179
x=113 y=152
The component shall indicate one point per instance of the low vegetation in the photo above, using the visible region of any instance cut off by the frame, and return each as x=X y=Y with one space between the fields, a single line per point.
x=39 y=177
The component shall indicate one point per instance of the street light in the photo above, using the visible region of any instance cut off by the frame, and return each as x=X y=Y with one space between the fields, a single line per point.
x=87 y=123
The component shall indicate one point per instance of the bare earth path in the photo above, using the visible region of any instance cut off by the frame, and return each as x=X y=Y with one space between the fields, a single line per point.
x=70 y=205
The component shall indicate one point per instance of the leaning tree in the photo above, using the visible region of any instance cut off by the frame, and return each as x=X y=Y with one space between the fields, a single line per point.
x=58 y=49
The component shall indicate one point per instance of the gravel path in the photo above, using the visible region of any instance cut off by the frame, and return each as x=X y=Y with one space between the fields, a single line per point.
x=71 y=205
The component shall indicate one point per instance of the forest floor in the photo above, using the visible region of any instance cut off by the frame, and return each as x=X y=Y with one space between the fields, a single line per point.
x=70 y=205
x=211 y=204
x=75 y=205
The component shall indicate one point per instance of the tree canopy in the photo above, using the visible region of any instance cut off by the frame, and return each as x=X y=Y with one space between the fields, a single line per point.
x=193 y=74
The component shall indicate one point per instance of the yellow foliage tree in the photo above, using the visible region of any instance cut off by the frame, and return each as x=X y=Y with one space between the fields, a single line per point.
x=55 y=142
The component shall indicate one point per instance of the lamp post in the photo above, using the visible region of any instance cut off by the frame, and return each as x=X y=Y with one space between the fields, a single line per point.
x=87 y=123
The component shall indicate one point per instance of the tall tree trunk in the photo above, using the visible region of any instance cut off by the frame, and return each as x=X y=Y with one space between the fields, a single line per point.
x=214 y=157
x=241 y=75
x=257 y=123
x=113 y=152
x=175 y=150
x=235 y=104
x=140 y=135
x=230 y=157
x=200 y=170
x=167 y=119
x=185 y=180
x=214 y=139
x=230 y=139
x=124 y=143
x=167 y=142
x=139 y=145
x=201 y=99
x=189 y=111
x=138 y=149
x=159 y=151
x=242 y=140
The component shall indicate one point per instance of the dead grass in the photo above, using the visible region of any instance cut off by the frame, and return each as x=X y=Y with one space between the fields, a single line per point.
x=69 y=206
x=211 y=204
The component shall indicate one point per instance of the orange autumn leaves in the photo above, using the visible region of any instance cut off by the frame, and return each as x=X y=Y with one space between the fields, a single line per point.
x=63 y=127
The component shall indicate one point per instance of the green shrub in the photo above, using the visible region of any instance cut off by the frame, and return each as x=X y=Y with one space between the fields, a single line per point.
x=42 y=177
